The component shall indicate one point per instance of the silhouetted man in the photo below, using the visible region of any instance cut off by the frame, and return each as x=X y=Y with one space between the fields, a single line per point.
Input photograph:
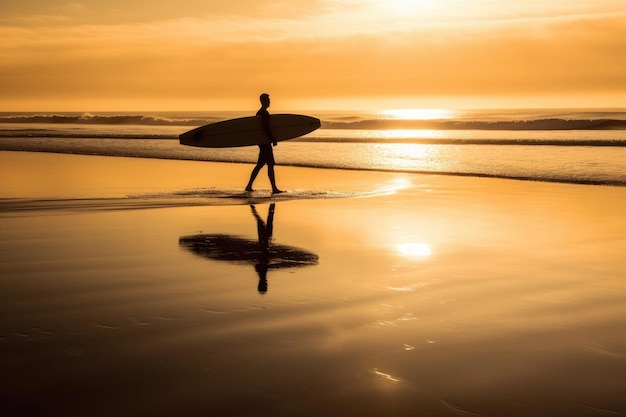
x=266 y=155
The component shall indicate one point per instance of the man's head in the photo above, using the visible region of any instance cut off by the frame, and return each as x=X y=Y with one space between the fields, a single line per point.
x=265 y=99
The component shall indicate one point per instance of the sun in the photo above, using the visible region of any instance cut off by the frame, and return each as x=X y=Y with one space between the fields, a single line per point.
x=402 y=7
x=413 y=249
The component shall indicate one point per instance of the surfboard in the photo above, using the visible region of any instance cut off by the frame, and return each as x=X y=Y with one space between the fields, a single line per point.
x=246 y=131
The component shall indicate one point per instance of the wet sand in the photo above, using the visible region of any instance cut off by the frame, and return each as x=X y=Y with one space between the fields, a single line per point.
x=384 y=294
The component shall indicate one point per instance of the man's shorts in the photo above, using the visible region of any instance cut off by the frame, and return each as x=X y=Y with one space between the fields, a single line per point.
x=266 y=155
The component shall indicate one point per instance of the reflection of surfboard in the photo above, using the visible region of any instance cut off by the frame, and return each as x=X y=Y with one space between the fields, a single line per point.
x=236 y=249
x=247 y=131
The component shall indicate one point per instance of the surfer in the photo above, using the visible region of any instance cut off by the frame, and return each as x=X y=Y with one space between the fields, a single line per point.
x=266 y=155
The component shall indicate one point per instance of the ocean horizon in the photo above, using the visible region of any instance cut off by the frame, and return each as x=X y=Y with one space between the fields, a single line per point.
x=583 y=146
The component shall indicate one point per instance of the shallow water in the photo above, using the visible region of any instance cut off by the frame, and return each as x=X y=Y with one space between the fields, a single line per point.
x=570 y=164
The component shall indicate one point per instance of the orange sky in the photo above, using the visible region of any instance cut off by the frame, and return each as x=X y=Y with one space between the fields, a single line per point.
x=311 y=54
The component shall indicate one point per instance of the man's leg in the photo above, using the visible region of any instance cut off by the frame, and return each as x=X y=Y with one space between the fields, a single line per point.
x=255 y=172
x=270 y=174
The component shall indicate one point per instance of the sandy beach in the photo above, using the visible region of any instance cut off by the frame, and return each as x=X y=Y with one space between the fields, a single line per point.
x=374 y=294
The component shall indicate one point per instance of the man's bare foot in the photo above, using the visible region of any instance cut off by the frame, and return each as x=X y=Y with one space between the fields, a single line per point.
x=277 y=191
x=249 y=189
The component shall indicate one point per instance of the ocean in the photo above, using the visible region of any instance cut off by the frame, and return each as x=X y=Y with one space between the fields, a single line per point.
x=581 y=146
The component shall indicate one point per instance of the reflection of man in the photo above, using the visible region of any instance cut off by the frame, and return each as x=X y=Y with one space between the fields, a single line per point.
x=266 y=155
x=262 y=253
x=264 y=231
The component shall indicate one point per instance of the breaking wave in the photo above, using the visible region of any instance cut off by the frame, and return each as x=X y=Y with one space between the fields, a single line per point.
x=89 y=119
x=540 y=124
x=358 y=123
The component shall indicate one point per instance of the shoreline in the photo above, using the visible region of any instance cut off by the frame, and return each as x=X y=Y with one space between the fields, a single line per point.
x=144 y=175
x=252 y=160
